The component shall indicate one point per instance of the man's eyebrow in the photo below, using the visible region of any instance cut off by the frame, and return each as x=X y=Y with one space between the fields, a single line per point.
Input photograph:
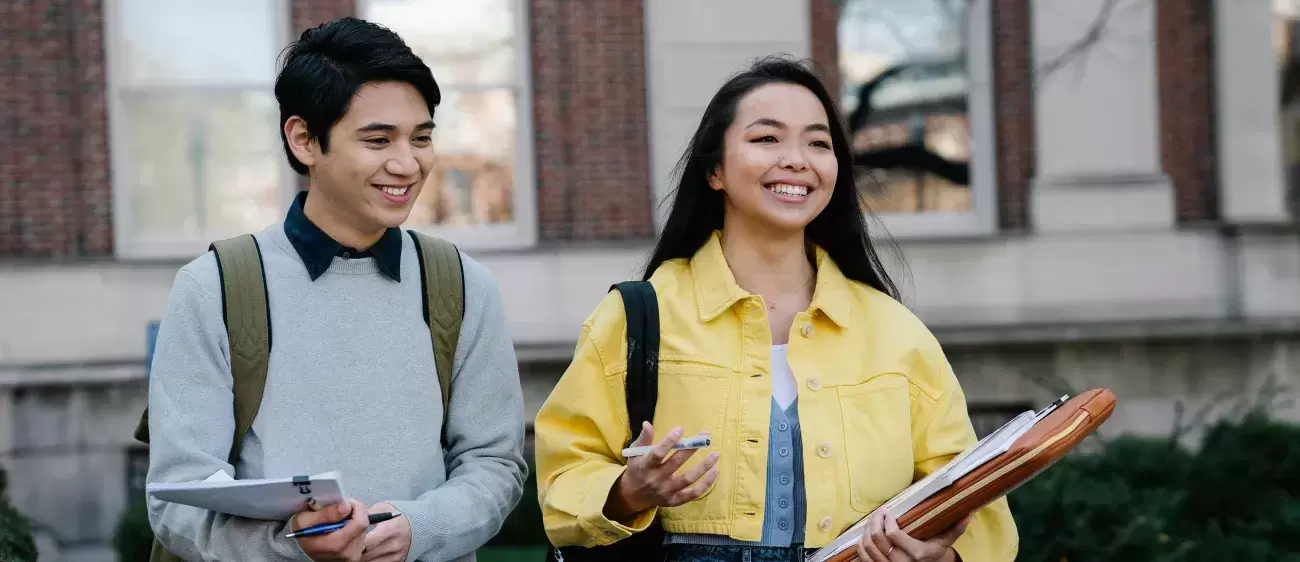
x=769 y=122
x=378 y=127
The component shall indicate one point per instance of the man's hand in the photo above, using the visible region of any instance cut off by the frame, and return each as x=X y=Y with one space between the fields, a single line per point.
x=885 y=542
x=389 y=541
x=343 y=545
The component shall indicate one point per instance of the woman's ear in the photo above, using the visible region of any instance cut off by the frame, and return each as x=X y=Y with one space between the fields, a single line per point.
x=715 y=180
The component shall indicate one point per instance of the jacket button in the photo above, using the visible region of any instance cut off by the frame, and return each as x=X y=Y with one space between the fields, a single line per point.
x=807 y=330
x=824 y=450
x=825 y=524
x=814 y=383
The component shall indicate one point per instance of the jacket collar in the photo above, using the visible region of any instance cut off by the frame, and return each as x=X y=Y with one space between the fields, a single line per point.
x=716 y=289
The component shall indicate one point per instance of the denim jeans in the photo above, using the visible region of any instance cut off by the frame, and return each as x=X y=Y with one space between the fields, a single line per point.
x=731 y=553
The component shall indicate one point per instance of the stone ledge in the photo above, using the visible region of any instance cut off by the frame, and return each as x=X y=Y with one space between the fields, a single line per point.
x=1103 y=202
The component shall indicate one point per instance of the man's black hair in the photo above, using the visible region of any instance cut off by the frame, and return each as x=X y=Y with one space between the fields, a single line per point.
x=325 y=67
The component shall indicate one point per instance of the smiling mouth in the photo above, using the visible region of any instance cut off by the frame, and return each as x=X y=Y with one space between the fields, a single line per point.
x=395 y=191
x=788 y=190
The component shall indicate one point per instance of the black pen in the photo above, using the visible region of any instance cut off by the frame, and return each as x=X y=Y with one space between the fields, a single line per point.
x=326 y=528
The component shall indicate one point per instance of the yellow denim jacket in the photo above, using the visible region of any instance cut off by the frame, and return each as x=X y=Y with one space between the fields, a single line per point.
x=878 y=403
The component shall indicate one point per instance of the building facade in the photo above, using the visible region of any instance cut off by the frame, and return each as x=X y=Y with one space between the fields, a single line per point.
x=1084 y=193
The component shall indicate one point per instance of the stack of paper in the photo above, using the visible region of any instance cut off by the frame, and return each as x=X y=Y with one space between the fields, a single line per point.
x=986 y=449
x=271 y=499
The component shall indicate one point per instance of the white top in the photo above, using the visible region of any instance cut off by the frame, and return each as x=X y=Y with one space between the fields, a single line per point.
x=784 y=389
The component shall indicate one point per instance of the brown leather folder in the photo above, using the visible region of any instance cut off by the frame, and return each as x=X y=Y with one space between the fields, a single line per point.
x=1035 y=451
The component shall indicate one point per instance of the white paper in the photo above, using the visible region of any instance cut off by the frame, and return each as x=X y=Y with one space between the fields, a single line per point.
x=271 y=499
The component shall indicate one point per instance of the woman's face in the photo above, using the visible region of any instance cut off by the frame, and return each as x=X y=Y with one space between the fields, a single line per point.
x=778 y=166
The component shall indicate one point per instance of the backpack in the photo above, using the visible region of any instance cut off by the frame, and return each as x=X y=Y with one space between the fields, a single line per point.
x=248 y=327
x=641 y=307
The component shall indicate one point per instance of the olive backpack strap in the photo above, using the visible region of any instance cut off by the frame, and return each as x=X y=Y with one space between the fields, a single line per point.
x=641 y=308
x=247 y=317
x=443 y=290
x=248 y=328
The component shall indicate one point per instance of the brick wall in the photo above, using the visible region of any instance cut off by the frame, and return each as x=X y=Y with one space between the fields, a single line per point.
x=592 y=152
x=1013 y=110
x=310 y=13
x=824 y=36
x=1013 y=96
x=54 y=191
x=1185 y=70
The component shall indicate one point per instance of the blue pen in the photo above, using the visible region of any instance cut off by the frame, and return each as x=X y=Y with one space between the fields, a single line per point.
x=327 y=528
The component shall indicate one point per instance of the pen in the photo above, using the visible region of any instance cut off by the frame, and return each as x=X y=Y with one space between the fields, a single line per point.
x=697 y=442
x=326 y=528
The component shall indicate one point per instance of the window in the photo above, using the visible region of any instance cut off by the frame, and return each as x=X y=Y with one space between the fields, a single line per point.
x=1286 y=50
x=915 y=86
x=196 y=151
x=480 y=192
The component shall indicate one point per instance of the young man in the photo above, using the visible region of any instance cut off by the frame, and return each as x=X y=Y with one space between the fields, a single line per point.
x=351 y=382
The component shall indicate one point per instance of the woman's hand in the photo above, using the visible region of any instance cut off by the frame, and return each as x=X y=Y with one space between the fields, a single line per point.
x=649 y=480
x=885 y=542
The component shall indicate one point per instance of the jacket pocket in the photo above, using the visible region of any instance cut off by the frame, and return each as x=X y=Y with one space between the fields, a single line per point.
x=695 y=397
x=877 y=439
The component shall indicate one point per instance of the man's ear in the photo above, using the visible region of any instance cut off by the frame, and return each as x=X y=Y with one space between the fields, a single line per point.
x=300 y=142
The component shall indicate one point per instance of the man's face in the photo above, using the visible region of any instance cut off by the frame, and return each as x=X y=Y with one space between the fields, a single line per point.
x=380 y=154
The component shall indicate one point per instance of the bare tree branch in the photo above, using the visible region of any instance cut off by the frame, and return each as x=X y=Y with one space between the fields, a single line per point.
x=1079 y=47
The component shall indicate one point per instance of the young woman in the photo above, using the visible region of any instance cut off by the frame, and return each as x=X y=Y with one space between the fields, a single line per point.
x=782 y=338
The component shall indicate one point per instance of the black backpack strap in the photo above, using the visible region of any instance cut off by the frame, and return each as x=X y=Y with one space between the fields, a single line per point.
x=641 y=306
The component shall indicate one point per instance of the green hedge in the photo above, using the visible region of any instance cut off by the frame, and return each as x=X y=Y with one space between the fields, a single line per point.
x=16 y=542
x=1237 y=498
x=134 y=538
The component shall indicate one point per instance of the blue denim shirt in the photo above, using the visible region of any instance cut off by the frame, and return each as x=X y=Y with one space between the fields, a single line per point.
x=784 y=510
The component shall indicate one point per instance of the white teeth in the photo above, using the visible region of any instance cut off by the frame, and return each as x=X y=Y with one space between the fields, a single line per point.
x=787 y=189
x=395 y=191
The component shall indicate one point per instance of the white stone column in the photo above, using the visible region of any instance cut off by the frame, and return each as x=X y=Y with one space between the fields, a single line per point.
x=1097 y=121
x=692 y=47
x=1252 y=188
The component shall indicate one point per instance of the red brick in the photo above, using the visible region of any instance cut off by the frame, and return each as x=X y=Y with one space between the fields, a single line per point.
x=825 y=34
x=306 y=14
x=1013 y=110
x=54 y=196
x=1185 y=70
x=591 y=137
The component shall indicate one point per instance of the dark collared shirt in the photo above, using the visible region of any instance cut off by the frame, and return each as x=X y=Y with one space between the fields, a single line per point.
x=318 y=250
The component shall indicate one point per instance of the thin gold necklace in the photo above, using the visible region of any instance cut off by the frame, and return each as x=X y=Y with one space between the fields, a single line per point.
x=771 y=305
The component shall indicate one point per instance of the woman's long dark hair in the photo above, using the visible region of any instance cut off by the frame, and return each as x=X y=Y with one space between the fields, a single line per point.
x=840 y=229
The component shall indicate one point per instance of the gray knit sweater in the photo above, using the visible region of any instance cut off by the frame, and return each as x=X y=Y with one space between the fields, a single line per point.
x=351 y=387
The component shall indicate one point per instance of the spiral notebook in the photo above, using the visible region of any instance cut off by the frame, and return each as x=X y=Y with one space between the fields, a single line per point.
x=272 y=499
